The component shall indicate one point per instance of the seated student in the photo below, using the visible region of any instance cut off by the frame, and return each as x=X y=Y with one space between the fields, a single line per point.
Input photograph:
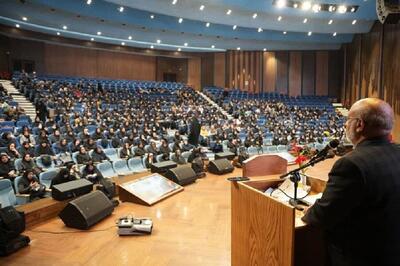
x=85 y=135
x=55 y=137
x=217 y=146
x=177 y=145
x=44 y=149
x=26 y=148
x=178 y=158
x=75 y=145
x=90 y=144
x=63 y=176
x=233 y=146
x=98 y=155
x=125 y=152
x=83 y=156
x=70 y=136
x=197 y=163
x=6 y=139
x=149 y=160
x=12 y=152
x=91 y=173
x=153 y=149
x=195 y=153
x=139 y=151
x=130 y=140
x=243 y=155
x=28 y=163
x=61 y=147
x=29 y=184
x=27 y=136
x=7 y=168
x=98 y=134
x=186 y=146
x=164 y=148
x=164 y=158
x=42 y=137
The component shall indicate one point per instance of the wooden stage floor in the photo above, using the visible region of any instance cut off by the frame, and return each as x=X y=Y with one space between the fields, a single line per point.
x=192 y=227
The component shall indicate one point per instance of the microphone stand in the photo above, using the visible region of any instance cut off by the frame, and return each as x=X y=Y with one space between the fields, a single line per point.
x=295 y=178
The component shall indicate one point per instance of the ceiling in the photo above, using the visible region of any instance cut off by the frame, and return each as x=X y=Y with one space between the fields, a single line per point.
x=156 y=23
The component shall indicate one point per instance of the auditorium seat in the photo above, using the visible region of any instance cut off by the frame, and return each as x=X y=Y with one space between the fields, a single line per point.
x=46 y=177
x=252 y=151
x=7 y=196
x=159 y=158
x=18 y=164
x=282 y=148
x=39 y=163
x=186 y=155
x=272 y=149
x=121 y=167
x=74 y=154
x=112 y=154
x=106 y=169
x=135 y=165
x=21 y=198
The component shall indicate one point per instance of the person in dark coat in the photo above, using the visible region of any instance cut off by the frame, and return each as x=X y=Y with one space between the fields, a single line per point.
x=30 y=184
x=7 y=168
x=83 y=156
x=98 y=155
x=26 y=148
x=360 y=208
x=63 y=176
x=91 y=173
x=194 y=133
x=139 y=151
x=125 y=152
x=178 y=158
x=43 y=149
x=28 y=163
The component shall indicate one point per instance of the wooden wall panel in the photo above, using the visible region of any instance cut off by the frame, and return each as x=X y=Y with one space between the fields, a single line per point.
x=269 y=72
x=295 y=73
x=219 y=69
x=322 y=73
x=282 y=74
x=194 y=73
x=335 y=76
x=178 y=66
x=27 y=50
x=308 y=70
x=207 y=70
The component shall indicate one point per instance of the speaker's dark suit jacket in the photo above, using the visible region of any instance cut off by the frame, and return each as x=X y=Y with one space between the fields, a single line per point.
x=360 y=207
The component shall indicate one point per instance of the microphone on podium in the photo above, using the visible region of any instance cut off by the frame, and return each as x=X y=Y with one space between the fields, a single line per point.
x=331 y=145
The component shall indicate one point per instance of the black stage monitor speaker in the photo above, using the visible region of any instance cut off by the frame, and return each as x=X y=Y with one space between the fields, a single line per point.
x=183 y=175
x=71 y=189
x=227 y=154
x=220 y=167
x=162 y=167
x=87 y=210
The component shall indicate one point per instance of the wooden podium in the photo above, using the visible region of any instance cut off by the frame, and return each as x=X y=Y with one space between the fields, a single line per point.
x=266 y=231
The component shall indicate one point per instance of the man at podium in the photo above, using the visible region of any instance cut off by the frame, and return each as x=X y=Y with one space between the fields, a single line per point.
x=360 y=208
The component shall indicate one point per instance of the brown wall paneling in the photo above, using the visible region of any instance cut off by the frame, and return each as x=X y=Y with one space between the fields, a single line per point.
x=322 y=73
x=269 y=72
x=219 y=69
x=235 y=70
x=282 y=78
x=295 y=67
x=194 y=74
x=335 y=70
x=229 y=67
x=258 y=72
x=178 y=66
x=370 y=62
x=207 y=69
x=5 y=53
x=27 y=50
x=308 y=73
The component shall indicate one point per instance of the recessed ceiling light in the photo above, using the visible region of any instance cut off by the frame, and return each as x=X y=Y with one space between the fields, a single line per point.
x=316 y=8
x=342 y=9
x=281 y=3
x=121 y=9
x=24 y=18
x=284 y=32
x=353 y=9
x=158 y=41
x=185 y=44
x=65 y=27
x=179 y=49
x=334 y=34
x=151 y=46
x=152 y=16
x=254 y=15
x=309 y=33
x=238 y=48
x=295 y=5
x=58 y=33
x=305 y=20
x=99 y=33
x=279 y=18
x=17 y=25
x=265 y=49
x=332 y=8
x=208 y=24
x=228 y=12
x=174 y=2
x=180 y=20
x=234 y=27
x=213 y=46
x=306 y=5
x=354 y=22
x=130 y=37
x=88 y=2
x=260 y=30
x=202 y=7
x=122 y=43
x=92 y=39
x=330 y=22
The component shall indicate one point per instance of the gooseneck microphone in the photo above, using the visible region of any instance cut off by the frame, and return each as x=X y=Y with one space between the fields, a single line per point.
x=331 y=145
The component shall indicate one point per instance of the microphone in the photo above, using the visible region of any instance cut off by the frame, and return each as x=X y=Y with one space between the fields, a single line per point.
x=331 y=145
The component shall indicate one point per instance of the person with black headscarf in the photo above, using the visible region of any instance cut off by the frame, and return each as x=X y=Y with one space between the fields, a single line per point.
x=194 y=133
x=7 y=168
x=63 y=176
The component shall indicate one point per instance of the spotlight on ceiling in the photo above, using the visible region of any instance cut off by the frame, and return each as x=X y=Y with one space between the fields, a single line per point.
x=17 y=25
x=174 y=2
x=58 y=33
x=185 y=44
x=152 y=16
x=332 y=8
x=305 y=20
x=334 y=34
x=330 y=22
x=309 y=33
x=281 y=3
x=24 y=18
x=254 y=15
x=158 y=41
x=180 y=20
x=354 y=22
x=179 y=49
x=122 y=43
x=99 y=33
x=353 y=9
x=260 y=30
x=295 y=5
x=265 y=49
x=228 y=12
x=284 y=32
x=234 y=27
x=130 y=37
x=306 y=5
x=279 y=18
x=238 y=48
x=316 y=8
x=65 y=27
x=202 y=7
x=88 y=2
x=151 y=47
x=208 y=24
x=213 y=46
x=121 y=9
x=342 y=9
x=92 y=39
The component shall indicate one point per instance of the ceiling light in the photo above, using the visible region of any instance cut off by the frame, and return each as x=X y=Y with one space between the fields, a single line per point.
x=353 y=9
x=158 y=41
x=342 y=9
x=281 y=3
x=174 y=2
x=228 y=12
x=305 y=20
x=265 y=49
x=17 y=25
x=279 y=18
x=58 y=33
x=254 y=15
x=213 y=46
x=65 y=27
x=309 y=33
x=179 y=49
x=295 y=5
x=234 y=27
x=306 y=5
x=121 y=9
x=180 y=20
x=99 y=33
x=185 y=44
x=330 y=22
x=130 y=37
x=332 y=8
x=316 y=8
x=152 y=16
x=122 y=43
x=92 y=39
x=238 y=48
x=151 y=46
x=202 y=7
x=208 y=24
x=284 y=32
x=88 y=2
x=260 y=30
x=354 y=22
x=334 y=34
x=24 y=19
